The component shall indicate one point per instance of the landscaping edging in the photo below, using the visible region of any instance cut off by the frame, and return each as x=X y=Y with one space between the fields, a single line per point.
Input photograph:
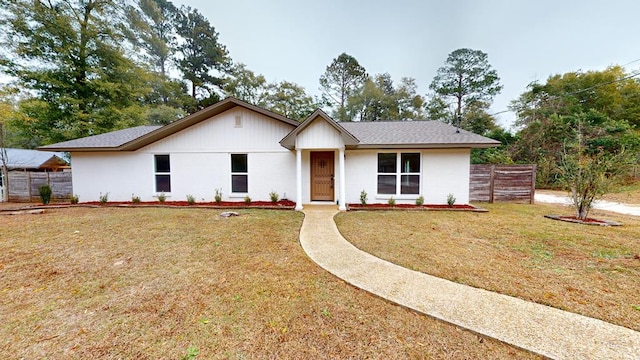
x=158 y=205
x=409 y=207
x=589 y=221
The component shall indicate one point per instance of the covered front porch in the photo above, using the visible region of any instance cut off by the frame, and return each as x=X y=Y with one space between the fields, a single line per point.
x=320 y=177
x=319 y=144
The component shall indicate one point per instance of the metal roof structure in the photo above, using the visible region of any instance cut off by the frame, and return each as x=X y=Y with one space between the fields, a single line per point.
x=34 y=159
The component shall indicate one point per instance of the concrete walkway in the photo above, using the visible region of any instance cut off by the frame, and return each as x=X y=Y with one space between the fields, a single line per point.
x=544 y=330
x=598 y=204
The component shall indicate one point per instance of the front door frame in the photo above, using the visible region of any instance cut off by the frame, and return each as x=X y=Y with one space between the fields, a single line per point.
x=314 y=178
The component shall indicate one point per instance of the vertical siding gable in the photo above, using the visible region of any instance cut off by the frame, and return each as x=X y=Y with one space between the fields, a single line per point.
x=319 y=135
x=222 y=133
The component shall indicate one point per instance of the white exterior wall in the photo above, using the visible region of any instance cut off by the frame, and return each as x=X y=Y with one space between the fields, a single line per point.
x=442 y=171
x=118 y=173
x=200 y=162
x=446 y=171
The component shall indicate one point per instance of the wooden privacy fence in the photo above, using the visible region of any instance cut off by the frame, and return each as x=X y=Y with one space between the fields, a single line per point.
x=25 y=185
x=491 y=183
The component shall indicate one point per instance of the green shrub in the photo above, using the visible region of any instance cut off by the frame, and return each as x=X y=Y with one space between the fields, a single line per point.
x=191 y=199
x=274 y=196
x=247 y=200
x=363 y=197
x=74 y=199
x=420 y=200
x=135 y=199
x=218 y=196
x=45 y=194
x=391 y=201
x=104 y=198
x=451 y=200
x=162 y=197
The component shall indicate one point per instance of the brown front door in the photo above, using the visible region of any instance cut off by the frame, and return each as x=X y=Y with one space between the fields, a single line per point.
x=322 y=176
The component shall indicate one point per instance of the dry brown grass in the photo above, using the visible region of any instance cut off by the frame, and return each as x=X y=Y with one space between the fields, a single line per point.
x=514 y=250
x=150 y=283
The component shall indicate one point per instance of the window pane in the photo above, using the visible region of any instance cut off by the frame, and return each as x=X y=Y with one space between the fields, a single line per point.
x=410 y=184
x=162 y=163
x=163 y=183
x=410 y=162
x=239 y=184
x=386 y=184
x=387 y=163
x=238 y=162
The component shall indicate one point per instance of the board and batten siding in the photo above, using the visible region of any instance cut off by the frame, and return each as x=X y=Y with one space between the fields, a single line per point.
x=220 y=133
x=442 y=172
x=200 y=162
x=319 y=135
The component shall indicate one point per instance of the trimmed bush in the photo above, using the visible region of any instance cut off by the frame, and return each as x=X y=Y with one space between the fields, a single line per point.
x=45 y=194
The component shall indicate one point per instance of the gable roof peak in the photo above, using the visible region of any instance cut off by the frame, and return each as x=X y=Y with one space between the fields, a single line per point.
x=289 y=140
x=137 y=137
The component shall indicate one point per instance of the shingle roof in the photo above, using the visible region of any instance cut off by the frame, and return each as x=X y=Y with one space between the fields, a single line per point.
x=135 y=138
x=107 y=140
x=424 y=134
x=418 y=133
x=33 y=159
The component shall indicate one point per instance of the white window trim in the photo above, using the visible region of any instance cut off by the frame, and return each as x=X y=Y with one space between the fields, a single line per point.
x=231 y=173
x=398 y=174
x=155 y=173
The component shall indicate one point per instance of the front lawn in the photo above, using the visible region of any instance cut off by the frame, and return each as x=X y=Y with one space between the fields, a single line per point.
x=514 y=250
x=163 y=283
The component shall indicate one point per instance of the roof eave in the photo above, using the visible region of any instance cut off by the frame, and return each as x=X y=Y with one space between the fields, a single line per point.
x=176 y=126
x=78 y=149
x=213 y=110
x=426 y=146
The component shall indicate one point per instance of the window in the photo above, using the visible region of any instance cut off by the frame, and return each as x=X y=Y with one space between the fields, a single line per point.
x=163 y=173
x=239 y=173
x=387 y=169
x=398 y=173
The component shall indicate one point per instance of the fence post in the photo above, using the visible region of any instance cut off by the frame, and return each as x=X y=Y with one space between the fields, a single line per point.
x=28 y=176
x=491 y=183
x=534 y=171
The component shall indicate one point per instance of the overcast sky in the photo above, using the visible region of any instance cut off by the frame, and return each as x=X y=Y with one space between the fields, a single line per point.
x=295 y=40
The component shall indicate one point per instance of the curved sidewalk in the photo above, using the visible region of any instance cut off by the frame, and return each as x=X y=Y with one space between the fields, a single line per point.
x=544 y=330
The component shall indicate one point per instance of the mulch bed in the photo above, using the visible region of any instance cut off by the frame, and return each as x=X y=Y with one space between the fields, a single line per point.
x=587 y=221
x=281 y=205
x=428 y=207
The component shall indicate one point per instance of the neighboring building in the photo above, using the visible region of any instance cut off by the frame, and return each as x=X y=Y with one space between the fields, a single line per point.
x=34 y=160
x=245 y=150
x=21 y=166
